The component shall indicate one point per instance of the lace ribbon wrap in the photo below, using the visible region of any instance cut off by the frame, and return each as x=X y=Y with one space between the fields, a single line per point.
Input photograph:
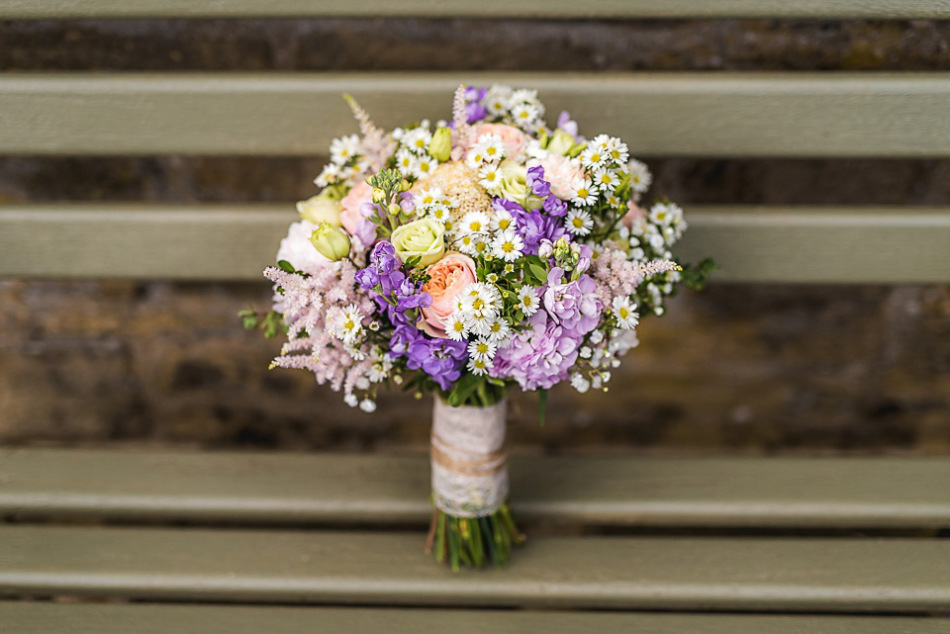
x=469 y=463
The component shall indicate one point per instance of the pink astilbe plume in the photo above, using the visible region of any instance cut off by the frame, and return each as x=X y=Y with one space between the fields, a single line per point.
x=304 y=302
x=378 y=146
x=616 y=276
x=463 y=135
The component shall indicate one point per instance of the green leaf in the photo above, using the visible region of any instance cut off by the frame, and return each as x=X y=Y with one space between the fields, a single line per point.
x=539 y=272
x=286 y=266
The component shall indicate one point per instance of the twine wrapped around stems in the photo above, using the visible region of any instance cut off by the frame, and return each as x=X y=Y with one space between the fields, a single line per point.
x=469 y=463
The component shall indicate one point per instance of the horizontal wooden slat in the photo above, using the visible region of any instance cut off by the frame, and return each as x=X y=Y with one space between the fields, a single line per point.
x=347 y=489
x=833 y=575
x=689 y=114
x=53 y=618
x=234 y=242
x=490 y=8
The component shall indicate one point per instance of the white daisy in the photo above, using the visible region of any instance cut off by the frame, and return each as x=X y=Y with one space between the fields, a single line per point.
x=583 y=192
x=417 y=140
x=640 y=177
x=528 y=300
x=482 y=350
x=578 y=222
x=593 y=156
x=474 y=223
x=455 y=327
x=477 y=367
x=344 y=149
x=490 y=177
x=606 y=179
x=475 y=159
x=328 y=176
x=501 y=220
x=405 y=161
x=666 y=214
x=497 y=99
x=498 y=331
x=525 y=114
x=625 y=313
x=425 y=165
x=508 y=245
x=490 y=147
x=617 y=150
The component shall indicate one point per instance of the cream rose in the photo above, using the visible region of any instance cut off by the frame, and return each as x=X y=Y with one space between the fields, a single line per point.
x=512 y=138
x=422 y=238
x=447 y=279
x=320 y=208
x=514 y=185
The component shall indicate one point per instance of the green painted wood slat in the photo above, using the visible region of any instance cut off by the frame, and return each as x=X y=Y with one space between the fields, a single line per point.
x=39 y=9
x=683 y=114
x=53 y=618
x=235 y=242
x=740 y=574
x=276 y=489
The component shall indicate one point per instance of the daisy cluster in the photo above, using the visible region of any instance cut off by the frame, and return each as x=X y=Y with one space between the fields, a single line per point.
x=473 y=255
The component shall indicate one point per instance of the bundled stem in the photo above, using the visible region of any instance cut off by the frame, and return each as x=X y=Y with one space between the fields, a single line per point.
x=473 y=542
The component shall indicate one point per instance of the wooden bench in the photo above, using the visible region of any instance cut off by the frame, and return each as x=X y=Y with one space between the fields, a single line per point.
x=241 y=543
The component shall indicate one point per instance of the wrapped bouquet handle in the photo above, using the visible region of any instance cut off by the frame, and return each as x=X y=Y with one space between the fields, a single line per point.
x=471 y=523
x=466 y=259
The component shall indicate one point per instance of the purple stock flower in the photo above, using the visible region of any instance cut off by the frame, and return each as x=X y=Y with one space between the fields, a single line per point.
x=474 y=109
x=441 y=359
x=567 y=124
x=575 y=306
x=383 y=258
x=475 y=93
x=368 y=277
x=534 y=227
x=554 y=206
x=535 y=180
x=539 y=357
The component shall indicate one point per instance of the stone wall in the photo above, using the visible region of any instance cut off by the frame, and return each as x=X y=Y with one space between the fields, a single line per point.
x=737 y=368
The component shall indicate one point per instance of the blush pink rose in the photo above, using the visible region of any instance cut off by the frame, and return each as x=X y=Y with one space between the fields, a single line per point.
x=561 y=172
x=447 y=279
x=351 y=217
x=511 y=137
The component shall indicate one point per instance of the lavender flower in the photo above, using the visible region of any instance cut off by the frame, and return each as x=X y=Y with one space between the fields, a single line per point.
x=575 y=306
x=539 y=357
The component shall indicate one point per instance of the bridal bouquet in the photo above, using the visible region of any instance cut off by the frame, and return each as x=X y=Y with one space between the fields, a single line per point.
x=465 y=258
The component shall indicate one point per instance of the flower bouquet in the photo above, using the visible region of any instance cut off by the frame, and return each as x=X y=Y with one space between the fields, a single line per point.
x=466 y=258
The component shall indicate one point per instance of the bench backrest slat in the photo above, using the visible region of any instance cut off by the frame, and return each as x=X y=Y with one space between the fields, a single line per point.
x=557 y=9
x=234 y=242
x=689 y=114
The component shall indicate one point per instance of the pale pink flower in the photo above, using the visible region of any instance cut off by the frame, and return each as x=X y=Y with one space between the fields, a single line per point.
x=297 y=249
x=511 y=137
x=351 y=217
x=561 y=172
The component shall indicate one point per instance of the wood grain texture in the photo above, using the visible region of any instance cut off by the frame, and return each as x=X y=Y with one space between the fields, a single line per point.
x=52 y=618
x=833 y=575
x=346 y=489
x=235 y=242
x=683 y=114
x=26 y=9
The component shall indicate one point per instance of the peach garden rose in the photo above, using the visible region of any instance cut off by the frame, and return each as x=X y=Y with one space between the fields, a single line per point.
x=447 y=279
